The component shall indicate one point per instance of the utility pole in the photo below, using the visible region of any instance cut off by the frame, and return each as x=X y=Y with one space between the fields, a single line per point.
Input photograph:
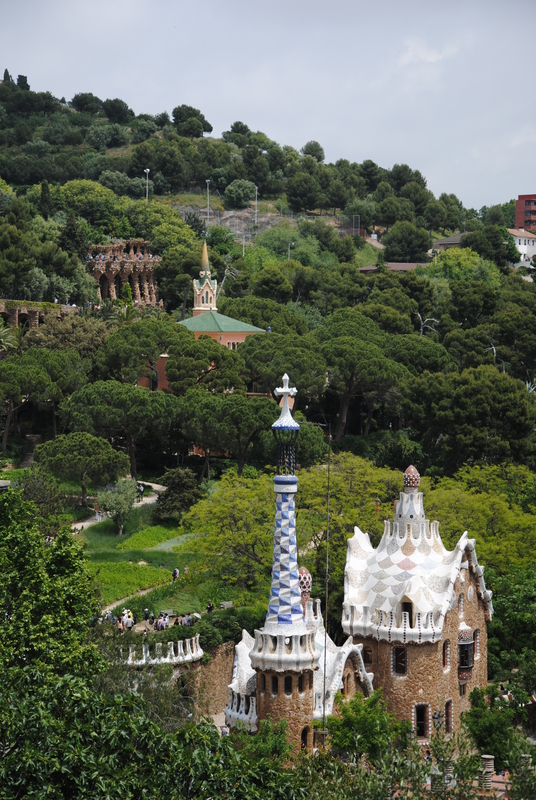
x=147 y=171
x=208 y=201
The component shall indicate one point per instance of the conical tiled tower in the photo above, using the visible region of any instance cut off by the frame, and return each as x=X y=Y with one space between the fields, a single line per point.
x=284 y=654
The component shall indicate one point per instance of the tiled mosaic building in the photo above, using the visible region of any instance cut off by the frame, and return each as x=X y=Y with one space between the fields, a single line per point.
x=420 y=612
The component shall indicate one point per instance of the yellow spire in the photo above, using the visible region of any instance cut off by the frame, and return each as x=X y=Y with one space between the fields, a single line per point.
x=205 y=265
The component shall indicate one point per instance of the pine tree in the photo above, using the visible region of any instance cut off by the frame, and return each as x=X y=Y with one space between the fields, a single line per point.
x=22 y=83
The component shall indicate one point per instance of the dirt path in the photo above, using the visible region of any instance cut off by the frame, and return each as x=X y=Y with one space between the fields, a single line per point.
x=125 y=600
x=76 y=527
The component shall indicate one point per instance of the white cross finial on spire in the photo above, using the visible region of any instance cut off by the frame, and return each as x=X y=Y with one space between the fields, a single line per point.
x=285 y=420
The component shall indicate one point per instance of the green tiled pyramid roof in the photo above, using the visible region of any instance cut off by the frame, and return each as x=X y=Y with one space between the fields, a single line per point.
x=212 y=322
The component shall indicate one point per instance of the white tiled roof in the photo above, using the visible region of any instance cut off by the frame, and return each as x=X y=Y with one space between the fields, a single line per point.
x=409 y=565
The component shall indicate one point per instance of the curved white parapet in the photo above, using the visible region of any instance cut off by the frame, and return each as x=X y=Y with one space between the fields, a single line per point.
x=181 y=652
x=336 y=658
x=241 y=709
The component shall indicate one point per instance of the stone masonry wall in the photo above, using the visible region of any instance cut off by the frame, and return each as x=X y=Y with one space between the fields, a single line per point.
x=295 y=708
x=211 y=680
x=426 y=681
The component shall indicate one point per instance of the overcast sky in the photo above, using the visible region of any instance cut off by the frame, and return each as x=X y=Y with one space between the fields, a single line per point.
x=442 y=85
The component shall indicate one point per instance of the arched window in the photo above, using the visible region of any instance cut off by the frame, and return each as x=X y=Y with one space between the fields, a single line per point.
x=466 y=654
x=367 y=657
x=448 y=716
x=288 y=684
x=300 y=684
x=275 y=684
x=263 y=683
x=304 y=738
x=476 y=637
x=460 y=605
x=399 y=661
x=206 y=298
x=446 y=655
x=421 y=721
x=407 y=608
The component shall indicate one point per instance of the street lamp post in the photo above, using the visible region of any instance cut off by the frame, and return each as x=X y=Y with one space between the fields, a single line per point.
x=208 y=201
x=256 y=191
x=147 y=171
x=290 y=244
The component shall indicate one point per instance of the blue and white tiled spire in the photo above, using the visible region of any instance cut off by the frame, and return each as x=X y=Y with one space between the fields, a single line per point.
x=285 y=641
x=285 y=596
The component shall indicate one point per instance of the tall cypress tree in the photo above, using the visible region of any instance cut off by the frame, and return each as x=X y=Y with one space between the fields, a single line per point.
x=46 y=206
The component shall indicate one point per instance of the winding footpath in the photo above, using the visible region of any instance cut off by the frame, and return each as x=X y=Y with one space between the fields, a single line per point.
x=77 y=527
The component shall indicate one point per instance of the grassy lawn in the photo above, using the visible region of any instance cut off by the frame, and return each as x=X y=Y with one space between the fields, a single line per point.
x=193 y=200
x=115 y=560
x=367 y=255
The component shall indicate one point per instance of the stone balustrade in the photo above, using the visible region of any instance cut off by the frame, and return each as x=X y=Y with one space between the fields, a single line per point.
x=241 y=708
x=181 y=652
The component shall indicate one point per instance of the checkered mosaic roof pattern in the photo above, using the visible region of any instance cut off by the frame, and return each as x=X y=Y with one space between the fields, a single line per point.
x=416 y=567
x=284 y=606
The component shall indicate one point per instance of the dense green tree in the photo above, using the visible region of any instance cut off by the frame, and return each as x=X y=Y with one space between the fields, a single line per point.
x=181 y=492
x=435 y=215
x=117 y=111
x=86 y=102
x=203 y=363
x=481 y=415
x=22 y=380
x=132 y=350
x=41 y=489
x=46 y=206
x=363 y=726
x=263 y=313
x=235 y=532
x=81 y=457
x=418 y=353
x=48 y=586
x=66 y=372
x=371 y=174
x=114 y=409
x=302 y=191
x=118 y=501
x=241 y=420
x=493 y=243
x=267 y=358
x=405 y=242
x=417 y=194
x=315 y=150
x=357 y=368
x=489 y=722
x=239 y=193
x=272 y=284
x=83 y=334
x=190 y=121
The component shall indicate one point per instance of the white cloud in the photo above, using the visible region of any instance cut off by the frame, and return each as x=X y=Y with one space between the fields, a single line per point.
x=526 y=135
x=418 y=51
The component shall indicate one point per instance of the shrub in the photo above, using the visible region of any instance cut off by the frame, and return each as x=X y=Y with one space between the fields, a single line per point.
x=239 y=193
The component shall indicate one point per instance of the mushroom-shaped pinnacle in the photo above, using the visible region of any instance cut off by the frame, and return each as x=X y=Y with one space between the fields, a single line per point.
x=411 y=478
